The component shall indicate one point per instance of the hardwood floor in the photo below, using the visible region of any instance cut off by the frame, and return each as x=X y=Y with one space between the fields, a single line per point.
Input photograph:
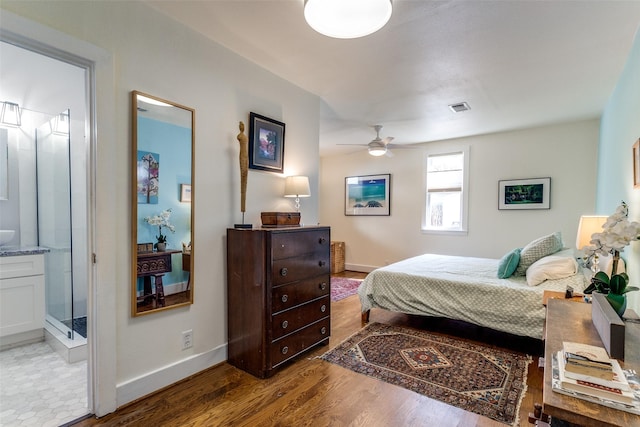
x=314 y=392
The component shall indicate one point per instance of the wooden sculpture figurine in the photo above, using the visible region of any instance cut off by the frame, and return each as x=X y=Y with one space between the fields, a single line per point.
x=244 y=172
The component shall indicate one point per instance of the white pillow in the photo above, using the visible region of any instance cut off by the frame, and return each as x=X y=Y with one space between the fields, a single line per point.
x=551 y=267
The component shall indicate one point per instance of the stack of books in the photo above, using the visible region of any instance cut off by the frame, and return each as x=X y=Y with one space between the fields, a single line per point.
x=587 y=372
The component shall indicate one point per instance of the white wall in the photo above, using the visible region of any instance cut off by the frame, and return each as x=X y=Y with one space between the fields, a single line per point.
x=567 y=153
x=158 y=56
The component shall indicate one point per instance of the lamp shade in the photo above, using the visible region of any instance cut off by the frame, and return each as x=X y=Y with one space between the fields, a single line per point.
x=347 y=19
x=297 y=186
x=589 y=224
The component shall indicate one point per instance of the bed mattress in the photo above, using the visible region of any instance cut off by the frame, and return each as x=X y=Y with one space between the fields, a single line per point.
x=462 y=288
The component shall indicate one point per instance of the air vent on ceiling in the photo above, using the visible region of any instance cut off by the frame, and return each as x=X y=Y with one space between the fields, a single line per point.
x=459 y=107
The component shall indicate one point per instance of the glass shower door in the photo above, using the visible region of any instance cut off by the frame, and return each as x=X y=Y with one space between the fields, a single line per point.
x=53 y=175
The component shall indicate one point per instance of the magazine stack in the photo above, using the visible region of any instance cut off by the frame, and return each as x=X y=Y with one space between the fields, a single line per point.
x=587 y=372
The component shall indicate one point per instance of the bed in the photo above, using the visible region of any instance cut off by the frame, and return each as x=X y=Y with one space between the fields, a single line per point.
x=468 y=289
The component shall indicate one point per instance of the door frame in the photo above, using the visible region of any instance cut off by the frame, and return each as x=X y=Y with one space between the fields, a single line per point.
x=98 y=66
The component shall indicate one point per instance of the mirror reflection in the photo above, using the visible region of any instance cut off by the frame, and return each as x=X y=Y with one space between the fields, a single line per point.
x=162 y=205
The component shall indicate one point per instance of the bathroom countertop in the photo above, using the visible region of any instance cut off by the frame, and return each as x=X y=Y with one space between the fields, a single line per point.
x=22 y=250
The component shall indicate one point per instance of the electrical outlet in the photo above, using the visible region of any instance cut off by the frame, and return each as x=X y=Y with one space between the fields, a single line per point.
x=187 y=339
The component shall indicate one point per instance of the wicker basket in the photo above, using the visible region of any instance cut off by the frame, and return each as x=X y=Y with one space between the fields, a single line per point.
x=337 y=257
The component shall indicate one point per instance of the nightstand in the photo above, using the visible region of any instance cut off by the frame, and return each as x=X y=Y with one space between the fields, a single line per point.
x=560 y=295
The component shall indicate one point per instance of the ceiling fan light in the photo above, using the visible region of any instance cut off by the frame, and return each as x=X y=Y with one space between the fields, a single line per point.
x=377 y=151
x=347 y=19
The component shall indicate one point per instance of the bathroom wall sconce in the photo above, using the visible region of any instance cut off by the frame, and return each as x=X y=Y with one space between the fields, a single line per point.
x=297 y=186
x=10 y=114
x=61 y=124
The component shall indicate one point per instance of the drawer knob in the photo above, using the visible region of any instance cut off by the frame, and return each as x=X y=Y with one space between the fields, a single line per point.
x=322 y=263
x=323 y=308
x=323 y=330
x=285 y=324
x=284 y=271
x=323 y=286
x=285 y=349
x=285 y=298
x=322 y=240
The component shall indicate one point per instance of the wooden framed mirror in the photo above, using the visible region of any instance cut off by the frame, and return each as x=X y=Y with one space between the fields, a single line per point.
x=162 y=204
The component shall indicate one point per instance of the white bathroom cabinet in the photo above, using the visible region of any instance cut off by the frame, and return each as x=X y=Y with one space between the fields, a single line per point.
x=22 y=299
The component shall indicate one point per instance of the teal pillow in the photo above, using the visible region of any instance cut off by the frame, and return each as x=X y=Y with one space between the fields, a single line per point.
x=508 y=264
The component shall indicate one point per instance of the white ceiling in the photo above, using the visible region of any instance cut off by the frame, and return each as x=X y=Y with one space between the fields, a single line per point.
x=517 y=63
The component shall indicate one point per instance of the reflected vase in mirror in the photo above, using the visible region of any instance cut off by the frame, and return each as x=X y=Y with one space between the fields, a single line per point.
x=162 y=167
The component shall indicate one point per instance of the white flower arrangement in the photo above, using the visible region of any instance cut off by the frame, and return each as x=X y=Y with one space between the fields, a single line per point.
x=617 y=233
x=161 y=220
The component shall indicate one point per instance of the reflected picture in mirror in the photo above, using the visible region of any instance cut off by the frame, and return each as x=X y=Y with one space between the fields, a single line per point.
x=162 y=217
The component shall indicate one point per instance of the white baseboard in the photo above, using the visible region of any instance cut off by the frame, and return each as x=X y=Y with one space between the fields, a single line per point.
x=360 y=268
x=144 y=385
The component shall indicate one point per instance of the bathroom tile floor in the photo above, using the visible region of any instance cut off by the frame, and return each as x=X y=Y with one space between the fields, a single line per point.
x=39 y=388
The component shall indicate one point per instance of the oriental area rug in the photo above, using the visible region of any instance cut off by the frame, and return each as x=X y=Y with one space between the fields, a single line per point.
x=342 y=287
x=480 y=379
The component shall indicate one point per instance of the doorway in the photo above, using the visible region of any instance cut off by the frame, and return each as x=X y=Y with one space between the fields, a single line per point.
x=50 y=209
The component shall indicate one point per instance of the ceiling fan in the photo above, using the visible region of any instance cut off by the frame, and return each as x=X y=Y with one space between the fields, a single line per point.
x=379 y=146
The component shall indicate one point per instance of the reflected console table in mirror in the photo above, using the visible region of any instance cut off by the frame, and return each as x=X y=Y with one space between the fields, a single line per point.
x=161 y=215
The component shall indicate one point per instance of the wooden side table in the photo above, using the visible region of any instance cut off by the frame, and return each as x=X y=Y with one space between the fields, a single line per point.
x=560 y=295
x=567 y=321
x=154 y=264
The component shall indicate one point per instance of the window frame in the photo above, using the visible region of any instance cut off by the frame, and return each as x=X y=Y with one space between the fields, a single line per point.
x=464 y=216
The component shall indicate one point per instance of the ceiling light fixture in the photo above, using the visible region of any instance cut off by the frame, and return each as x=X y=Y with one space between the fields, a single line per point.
x=377 y=148
x=347 y=19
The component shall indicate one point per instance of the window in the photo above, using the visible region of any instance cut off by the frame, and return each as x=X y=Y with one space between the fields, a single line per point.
x=446 y=198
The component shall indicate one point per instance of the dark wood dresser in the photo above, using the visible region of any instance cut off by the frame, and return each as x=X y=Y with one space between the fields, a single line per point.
x=278 y=295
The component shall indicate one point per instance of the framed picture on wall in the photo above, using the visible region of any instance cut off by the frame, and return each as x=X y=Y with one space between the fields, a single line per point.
x=266 y=143
x=367 y=195
x=148 y=185
x=185 y=193
x=531 y=193
x=636 y=164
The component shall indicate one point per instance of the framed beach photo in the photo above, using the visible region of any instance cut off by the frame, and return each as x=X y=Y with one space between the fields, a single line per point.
x=367 y=195
x=636 y=164
x=266 y=143
x=532 y=193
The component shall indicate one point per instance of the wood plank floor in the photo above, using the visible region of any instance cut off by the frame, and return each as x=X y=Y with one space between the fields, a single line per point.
x=312 y=392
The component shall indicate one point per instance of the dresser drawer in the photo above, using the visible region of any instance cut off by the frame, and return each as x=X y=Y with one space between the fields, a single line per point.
x=290 y=321
x=286 y=245
x=299 y=268
x=288 y=296
x=294 y=344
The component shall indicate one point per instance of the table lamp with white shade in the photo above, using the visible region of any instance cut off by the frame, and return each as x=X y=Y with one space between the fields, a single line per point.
x=297 y=186
x=589 y=224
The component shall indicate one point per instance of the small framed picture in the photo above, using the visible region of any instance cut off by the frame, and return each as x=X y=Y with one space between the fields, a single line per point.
x=532 y=193
x=367 y=195
x=636 y=164
x=185 y=193
x=266 y=143
x=145 y=248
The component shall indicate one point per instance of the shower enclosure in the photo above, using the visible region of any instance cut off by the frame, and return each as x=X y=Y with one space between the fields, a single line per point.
x=61 y=227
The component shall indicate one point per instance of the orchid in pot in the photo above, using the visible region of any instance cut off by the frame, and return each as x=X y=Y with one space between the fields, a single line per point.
x=617 y=233
x=161 y=220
